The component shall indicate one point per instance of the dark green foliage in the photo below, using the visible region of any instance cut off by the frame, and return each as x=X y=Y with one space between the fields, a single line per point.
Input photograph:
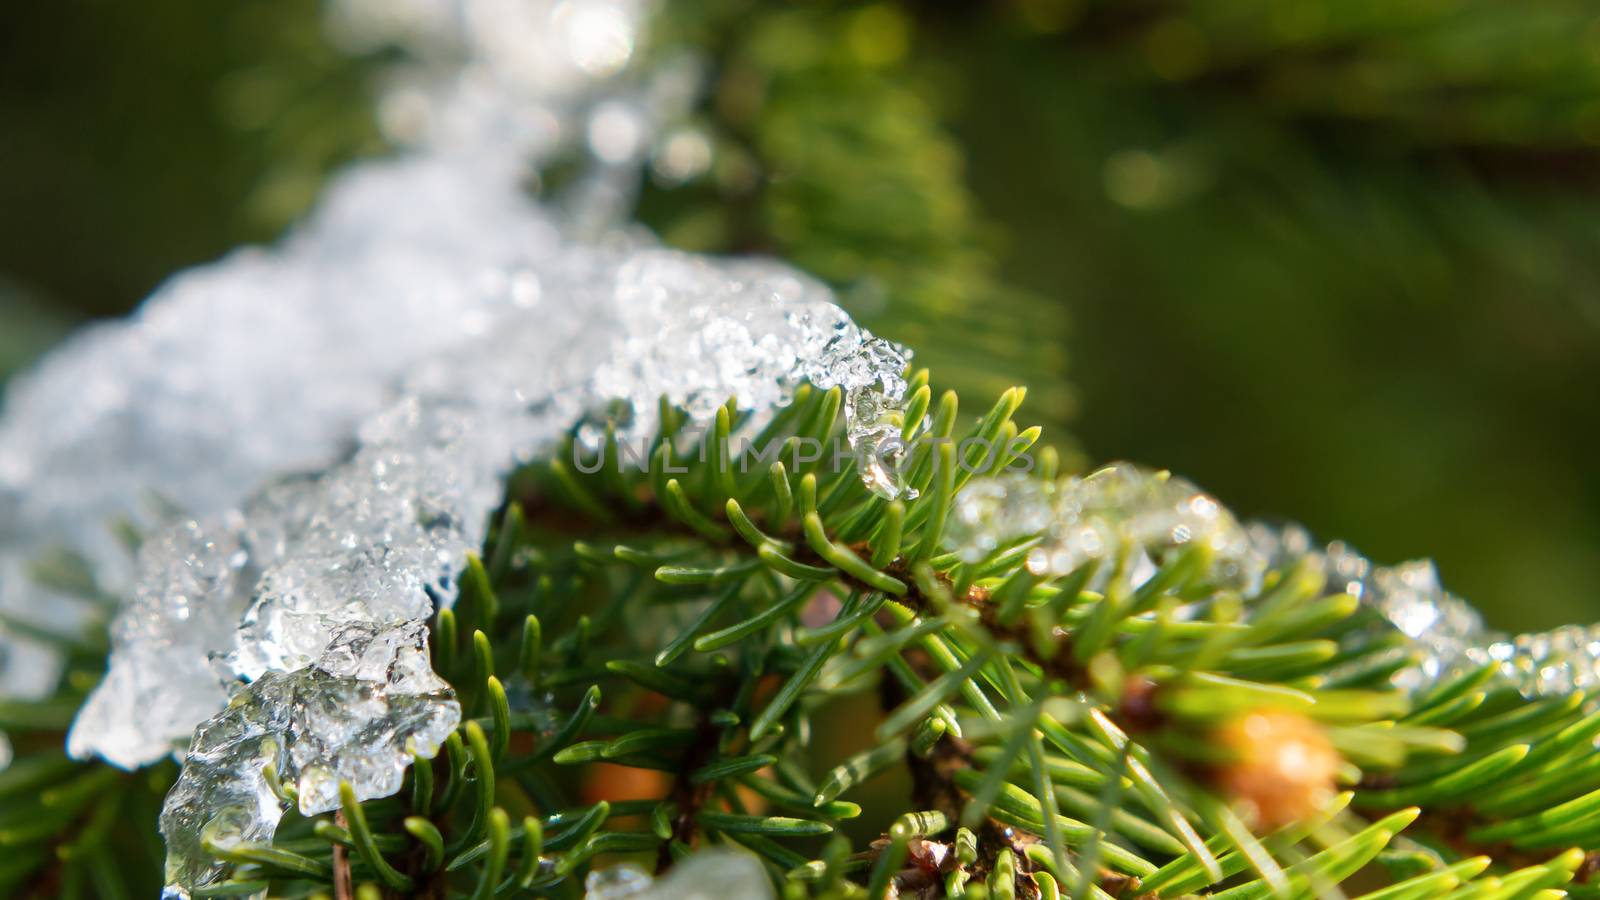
x=1387 y=284
x=643 y=676
x=141 y=140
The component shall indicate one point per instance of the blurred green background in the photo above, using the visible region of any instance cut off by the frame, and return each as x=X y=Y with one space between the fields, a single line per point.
x=1335 y=260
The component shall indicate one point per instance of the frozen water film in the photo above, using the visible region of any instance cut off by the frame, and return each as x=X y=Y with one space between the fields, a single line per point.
x=378 y=539
x=1449 y=633
x=357 y=715
x=311 y=437
x=1078 y=521
x=381 y=536
x=259 y=364
x=707 y=875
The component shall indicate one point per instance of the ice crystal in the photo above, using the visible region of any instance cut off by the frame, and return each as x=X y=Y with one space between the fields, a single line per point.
x=707 y=875
x=263 y=363
x=357 y=715
x=990 y=513
x=1448 y=633
x=254 y=366
x=618 y=882
x=1079 y=521
x=698 y=333
x=380 y=537
x=311 y=437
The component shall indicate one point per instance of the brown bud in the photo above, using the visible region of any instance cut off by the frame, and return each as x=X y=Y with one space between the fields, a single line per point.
x=1281 y=767
x=615 y=784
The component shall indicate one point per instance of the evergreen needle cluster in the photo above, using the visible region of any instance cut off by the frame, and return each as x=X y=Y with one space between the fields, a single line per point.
x=645 y=656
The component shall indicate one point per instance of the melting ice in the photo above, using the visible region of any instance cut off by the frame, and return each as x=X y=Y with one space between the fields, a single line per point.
x=1083 y=520
x=1077 y=521
x=334 y=417
x=1450 y=635
x=706 y=875
x=380 y=536
x=356 y=715
x=260 y=364
x=376 y=540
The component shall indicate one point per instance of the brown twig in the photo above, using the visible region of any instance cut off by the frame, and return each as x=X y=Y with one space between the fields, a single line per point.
x=689 y=797
x=343 y=888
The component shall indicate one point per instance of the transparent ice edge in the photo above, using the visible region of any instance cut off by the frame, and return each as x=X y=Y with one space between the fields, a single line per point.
x=713 y=874
x=357 y=715
x=1077 y=522
x=565 y=332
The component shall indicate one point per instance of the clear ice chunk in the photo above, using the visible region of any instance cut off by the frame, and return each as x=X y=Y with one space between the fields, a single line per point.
x=381 y=536
x=619 y=882
x=1450 y=634
x=1077 y=521
x=255 y=366
x=378 y=538
x=706 y=875
x=311 y=437
x=295 y=345
x=1080 y=520
x=357 y=715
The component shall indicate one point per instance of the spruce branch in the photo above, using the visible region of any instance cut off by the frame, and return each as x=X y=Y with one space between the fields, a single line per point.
x=647 y=683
